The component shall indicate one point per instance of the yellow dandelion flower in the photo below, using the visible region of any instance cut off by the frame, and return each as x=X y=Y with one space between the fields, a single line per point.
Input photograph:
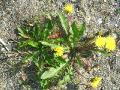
x=59 y=51
x=69 y=8
x=100 y=41
x=110 y=43
x=95 y=82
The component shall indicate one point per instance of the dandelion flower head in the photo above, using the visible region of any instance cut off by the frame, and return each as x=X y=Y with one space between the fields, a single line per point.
x=100 y=41
x=69 y=8
x=59 y=51
x=110 y=43
x=95 y=82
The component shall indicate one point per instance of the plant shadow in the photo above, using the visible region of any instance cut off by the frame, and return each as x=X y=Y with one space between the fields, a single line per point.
x=72 y=86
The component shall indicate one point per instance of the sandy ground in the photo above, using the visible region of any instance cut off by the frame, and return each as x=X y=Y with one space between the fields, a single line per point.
x=98 y=15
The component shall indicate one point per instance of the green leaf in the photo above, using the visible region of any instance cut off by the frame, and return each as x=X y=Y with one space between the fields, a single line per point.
x=48 y=24
x=75 y=30
x=22 y=33
x=86 y=54
x=48 y=44
x=60 y=60
x=75 y=33
x=20 y=30
x=32 y=43
x=81 y=29
x=103 y=52
x=52 y=71
x=64 y=22
x=36 y=32
x=28 y=58
x=32 y=57
x=71 y=36
x=45 y=43
x=48 y=27
x=64 y=80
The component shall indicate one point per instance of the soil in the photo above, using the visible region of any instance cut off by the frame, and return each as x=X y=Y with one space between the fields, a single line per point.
x=97 y=14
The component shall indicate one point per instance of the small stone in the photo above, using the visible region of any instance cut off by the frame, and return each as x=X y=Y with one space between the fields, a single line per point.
x=100 y=21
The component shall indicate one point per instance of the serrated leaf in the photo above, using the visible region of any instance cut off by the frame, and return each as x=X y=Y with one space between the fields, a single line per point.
x=52 y=72
x=71 y=36
x=74 y=37
x=81 y=29
x=75 y=33
x=75 y=30
x=63 y=21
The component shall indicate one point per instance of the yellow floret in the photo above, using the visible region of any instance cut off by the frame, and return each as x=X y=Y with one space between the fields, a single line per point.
x=69 y=8
x=100 y=41
x=110 y=43
x=59 y=51
x=95 y=82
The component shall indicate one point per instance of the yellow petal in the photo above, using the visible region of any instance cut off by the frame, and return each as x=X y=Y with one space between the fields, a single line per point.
x=96 y=81
x=69 y=8
x=59 y=51
x=100 y=41
x=110 y=43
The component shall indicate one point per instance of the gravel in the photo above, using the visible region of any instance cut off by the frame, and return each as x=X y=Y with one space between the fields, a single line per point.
x=98 y=15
